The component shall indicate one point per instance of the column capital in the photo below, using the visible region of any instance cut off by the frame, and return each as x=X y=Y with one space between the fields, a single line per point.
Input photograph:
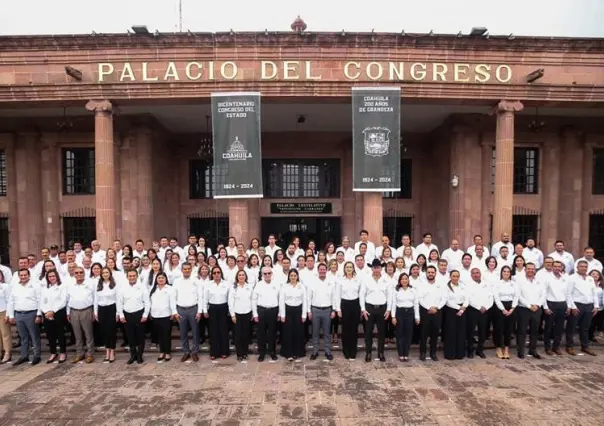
x=99 y=105
x=507 y=106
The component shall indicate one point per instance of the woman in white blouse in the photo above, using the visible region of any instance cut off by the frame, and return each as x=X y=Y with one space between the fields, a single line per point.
x=230 y=269
x=240 y=308
x=405 y=312
x=292 y=312
x=254 y=246
x=53 y=303
x=252 y=269
x=173 y=270
x=491 y=272
x=330 y=251
x=105 y=312
x=506 y=295
x=349 y=309
x=216 y=309
x=400 y=266
x=231 y=247
x=597 y=323
x=333 y=274
x=455 y=318
x=415 y=277
x=518 y=269
x=163 y=310
x=408 y=256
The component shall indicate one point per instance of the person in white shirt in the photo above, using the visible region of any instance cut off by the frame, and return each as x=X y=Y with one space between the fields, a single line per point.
x=240 y=309
x=6 y=343
x=79 y=253
x=426 y=246
x=271 y=248
x=6 y=272
x=375 y=297
x=191 y=242
x=556 y=307
x=348 y=251
x=364 y=238
x=532 y=254
x=385 y=244
x=231 y=247
x=405 y=313
x=454 y=332
x=480 y=297
x=548 y=268
x=98 y=255
x=53 y=307
x=504 y=257
x=432 y=298
x=479 y=258
x=584 y=304
x=505 y=295
x=265 y=310
x=505 y=241
x=490 y=272
x=453 y=255
x=133 y=307
x=478 y=241
x=105 y=310
x=139 y=249
x=442 y=274
x=80 y=303
x=348 y=309
x=592 y=262
x=321 y=293
x=563 y=256
x=309 y=272
x=400 y=252
x=23 y=309
x=363 y=251
x=163 y=309
x=177 y=249
x=531 y=296
x=360 y=266
x=188 y=293
x=292 y=312
x=216 y=309
x=466 y=267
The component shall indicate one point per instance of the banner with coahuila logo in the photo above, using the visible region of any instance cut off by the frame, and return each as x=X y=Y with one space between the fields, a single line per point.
x=376 y=152
x=237 y=145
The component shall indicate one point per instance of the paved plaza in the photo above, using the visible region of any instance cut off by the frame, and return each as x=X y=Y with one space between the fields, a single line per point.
x=562 y=390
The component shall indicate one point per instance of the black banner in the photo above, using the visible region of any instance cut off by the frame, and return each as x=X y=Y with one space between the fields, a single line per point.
x=301 y=208
x=376 y=153
x=237 y=145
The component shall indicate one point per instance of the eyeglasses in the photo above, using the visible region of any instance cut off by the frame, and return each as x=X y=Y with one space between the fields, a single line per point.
x=216 y=273
x=241 y=261
x=267 y=273
x=78 y=273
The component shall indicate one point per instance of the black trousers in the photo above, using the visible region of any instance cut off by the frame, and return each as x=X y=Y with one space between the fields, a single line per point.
x=554 y=324
x=455 y=334
x=218 y=322
x=203 y=326
x=597 y=324
x=107 y=326
x=163 y=331
x=583 y=320
x=376 y=318
x=503 y=326
x=292 y=340
x=429 y=327
x=351 y=312
x=241 y=329
x=135 y=330
x=528 y=318
x=476 y=320
x=55 y=332
x=335 y=326
x=405 y=318
x=267 y=330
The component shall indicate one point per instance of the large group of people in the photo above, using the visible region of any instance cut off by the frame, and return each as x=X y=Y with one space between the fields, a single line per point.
x=287 y=297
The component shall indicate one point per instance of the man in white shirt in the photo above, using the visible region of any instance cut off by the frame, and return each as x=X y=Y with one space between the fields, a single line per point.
x=478 y=241
x=291 y=253
x=453 y=255
x=192 y=241
x=363 y=251
x=98 y=255
x=265 y=309
x=593 y=264
x=364 y=238
x=309 y=272
x=54 y=254
x=442 y=275
x=504 y=257
x=532 y=254
x=188 y=293
x=80 y=301
x=321 y=293
x=271 y=248
x=406 y=242
x=505 y=241
x=360 y=266
x=281 y=275
x=479 y=258
x=556 y=307
x=375 y=297
x=563 y=256
x=432 y=298
x=385 y=244
x=348 y=251
x=177 y=249
x=584 y=304
x=531 y=296
x=426 y=246
x=139 y=249
x=79 y=253
x=480 y=296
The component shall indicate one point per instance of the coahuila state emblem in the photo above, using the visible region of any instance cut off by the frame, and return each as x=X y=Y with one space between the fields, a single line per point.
x=236 y=151
x=377 y=141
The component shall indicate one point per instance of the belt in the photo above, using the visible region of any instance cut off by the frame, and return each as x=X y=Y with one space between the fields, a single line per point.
x=79 y=310
x=375 y=306
x=264 y=307
x=187 y=307
x=25 y=312
x=321 y=308
x=404 y=308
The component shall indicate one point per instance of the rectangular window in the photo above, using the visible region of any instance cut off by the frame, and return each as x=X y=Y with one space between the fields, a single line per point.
x=4 y=242
x=215 y=230
x=78 y=230
x=525 y=226
x=406 y=182
x=596 y=234
x=395 y=227
x=526 y=170
x=204 y=178
x=78 y=171
x=2 y=173
x=597 y=184
x=301 y=178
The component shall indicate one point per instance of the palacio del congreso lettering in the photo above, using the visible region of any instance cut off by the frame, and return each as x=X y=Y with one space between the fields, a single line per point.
x=313 y=134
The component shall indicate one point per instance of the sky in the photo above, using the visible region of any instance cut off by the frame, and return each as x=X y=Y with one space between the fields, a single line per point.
x=562 y=18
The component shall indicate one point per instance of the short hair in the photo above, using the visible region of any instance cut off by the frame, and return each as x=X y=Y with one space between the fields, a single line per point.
x=427 y=234
x=431 y=267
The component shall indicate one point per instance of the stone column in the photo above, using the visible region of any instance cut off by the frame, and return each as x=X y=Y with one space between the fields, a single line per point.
x=13 y=197
x=586 y=197
x=457 y=194
x=349 y=227
x=104 y=171
x=239 y=220
x=504 y=167
x=50 y=165
x=253 y=220
x=570 y=195
x=551 y=192
x=373 y=216
x=143 y=144
x=487 y=196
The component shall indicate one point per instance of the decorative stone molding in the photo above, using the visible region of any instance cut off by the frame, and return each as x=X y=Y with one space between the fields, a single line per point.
x=508 y=106
x=101 y=105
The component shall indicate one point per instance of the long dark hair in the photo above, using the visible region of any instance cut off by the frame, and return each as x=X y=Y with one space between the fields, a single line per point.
x=423 y=267
x=92 y=267
x=514 y=264
x=161 y=274
x=451 y=273
x=238 y=272
x=57 y=275
x=399 y=285
x=99 y=286
x=43 y=271
x=214 y=269
x=295 y=271
x=150 y=280
x=508 y=268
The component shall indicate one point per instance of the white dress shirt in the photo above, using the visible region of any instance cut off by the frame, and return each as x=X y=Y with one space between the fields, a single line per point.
x=321 y=293
x=8 y=274
x=453 y=258
x=23 y=298
x=53 y=298
x=497 y=246
x=133 y=298
x=369 y=254
x=293 y=296
x=566 y=258
x=252 y=274
x=408 y=261
x=4 y=295
x=348 y=253
x=240 y=299
x=106 y=297
x=265 y=295
x=163 y=302
x=501 y=262
x=231 y=251
x=457 y=297
x=270 y=251
x=582 y=290
x=404 y=298
x=375 y=292
x=479 y=294
x=505 y=291
x=472 y=250
x=215 y=294
x=530 y=292
x=543 y=274
x=425 y=249
x=432 y=294
x=533 y=255
x=99 y=257
x=173 y=273
x=556 y=289
x=380 y=250
x=80 y=296
x=491 y=277
x=188 y=292
x=347 y=289
x=592 y=265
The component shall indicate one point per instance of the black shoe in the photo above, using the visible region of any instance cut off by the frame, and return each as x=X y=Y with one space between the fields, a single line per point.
x=368 y=357
x=521 y=355
x=245 y=357
x=314 y=356
x=123 y=345
x=274 y=357
x=17 y=344
x=422 y=357
x=239 y=358
x=261 y=358
x=481 y=354
x=329 y=357
x=139 y=360
x=470 y=355
x=382 y=357
x=433 y=356
x=36 y=360
x=535 y=355
x=131 y=361
x=20 y=361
